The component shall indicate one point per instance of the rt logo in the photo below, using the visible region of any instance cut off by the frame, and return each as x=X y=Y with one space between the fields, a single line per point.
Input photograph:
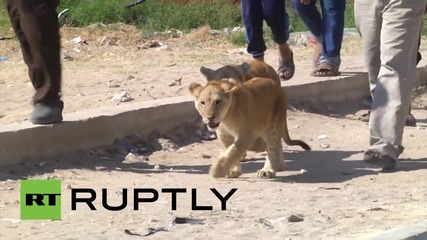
x=40 y=200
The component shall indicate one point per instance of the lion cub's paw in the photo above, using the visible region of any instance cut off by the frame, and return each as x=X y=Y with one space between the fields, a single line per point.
x=262 y=173
x=217 y=171
x=234 y=173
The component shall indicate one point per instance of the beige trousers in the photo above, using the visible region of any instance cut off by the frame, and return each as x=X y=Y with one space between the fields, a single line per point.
x=390 y=33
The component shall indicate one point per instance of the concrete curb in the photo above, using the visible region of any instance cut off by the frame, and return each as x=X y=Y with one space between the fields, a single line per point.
x=416 y=231
x=85 y=130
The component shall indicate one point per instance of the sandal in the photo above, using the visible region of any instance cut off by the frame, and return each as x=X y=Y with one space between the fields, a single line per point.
x=325 y=70
x=375 y=158
x=286 y=68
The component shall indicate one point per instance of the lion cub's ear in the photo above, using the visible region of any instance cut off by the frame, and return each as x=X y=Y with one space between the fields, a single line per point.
x=208 y=73
x=195 y=89
x=235 y=82
x=245 y=67
x=230 y=85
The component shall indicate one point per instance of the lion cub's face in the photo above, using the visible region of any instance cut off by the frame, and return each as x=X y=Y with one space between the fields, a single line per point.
x=213 y=100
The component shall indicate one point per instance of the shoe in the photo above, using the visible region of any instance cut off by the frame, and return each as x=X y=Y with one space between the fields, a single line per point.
x=47 y=113
x=411 y=121
x=373 y=157
x=365 y=117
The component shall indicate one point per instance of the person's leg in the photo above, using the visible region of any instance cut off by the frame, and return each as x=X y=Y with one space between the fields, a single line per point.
x=333 y=17
x=39 y=23
x=368 y=24
x=312 y=19
x=274 y=15
x=410 y=119
x=253 y=20
x=392 y=96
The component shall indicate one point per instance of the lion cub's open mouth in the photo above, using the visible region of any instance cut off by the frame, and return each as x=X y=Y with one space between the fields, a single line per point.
x=213 y=125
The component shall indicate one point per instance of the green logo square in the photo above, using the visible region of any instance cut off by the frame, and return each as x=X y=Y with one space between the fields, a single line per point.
x=40 y=199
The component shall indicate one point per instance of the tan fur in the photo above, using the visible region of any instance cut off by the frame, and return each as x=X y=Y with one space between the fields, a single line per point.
x=244 y=72
x=238 y=113
x=241 y=72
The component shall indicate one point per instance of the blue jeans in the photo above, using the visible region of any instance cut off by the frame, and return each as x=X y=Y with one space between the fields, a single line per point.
x=273 y=12
x=328 y=28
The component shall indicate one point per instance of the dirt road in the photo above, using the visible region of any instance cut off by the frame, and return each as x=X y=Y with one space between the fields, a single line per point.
x=337 y=196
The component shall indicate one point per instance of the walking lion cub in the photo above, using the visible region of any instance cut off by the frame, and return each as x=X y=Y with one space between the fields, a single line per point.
x=241 y=113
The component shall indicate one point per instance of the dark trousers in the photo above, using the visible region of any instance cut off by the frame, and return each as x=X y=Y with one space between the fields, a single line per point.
x=254 y=13
x=328 y=28
x=36 y=26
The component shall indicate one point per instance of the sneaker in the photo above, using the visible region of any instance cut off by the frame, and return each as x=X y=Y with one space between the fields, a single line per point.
x=373 y=157
x=47 y=113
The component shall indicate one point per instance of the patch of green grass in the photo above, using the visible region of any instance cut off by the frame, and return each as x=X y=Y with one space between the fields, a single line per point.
x=156 y=15
x=160 y=15
x=4 y=18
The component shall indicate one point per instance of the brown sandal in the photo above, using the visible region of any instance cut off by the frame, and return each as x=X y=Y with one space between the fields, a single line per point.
x=325 y=70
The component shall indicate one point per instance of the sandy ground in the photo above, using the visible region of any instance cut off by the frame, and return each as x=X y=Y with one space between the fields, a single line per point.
x=337 y=195
x=115 y=60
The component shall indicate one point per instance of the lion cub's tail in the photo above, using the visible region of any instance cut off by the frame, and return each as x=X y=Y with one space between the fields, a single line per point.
x=291 y=142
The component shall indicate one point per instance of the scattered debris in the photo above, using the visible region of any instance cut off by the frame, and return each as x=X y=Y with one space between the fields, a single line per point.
x=3 y=37
x=3 y=59
x=78 y=40
x=167 y=145
x=176 y=82
x=239 y=51
x=157 y=167
x=330 y=188
x=122 y=96
x=64 y=14
x=113 y=85
x=152 y=44
x=131 y=233
x=101 y=168
x=206 y=155
x=209 y=136
x=375 y=209
x=174 y=33
x=67 y=57
x=11 y=220
x=42 y=164
x=325 y=145
x=269 y=223
x=295 y=218
x=165 y=47
x=176 y=220
x=303 y=171
x=131 y=158
x=323 y=136
x=108 y=41
x=68 y=186
x=105 y=158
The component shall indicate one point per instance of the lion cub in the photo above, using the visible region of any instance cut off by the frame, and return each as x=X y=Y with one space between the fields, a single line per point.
x=241 y=113
x=244 y=72
x=241 y=72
